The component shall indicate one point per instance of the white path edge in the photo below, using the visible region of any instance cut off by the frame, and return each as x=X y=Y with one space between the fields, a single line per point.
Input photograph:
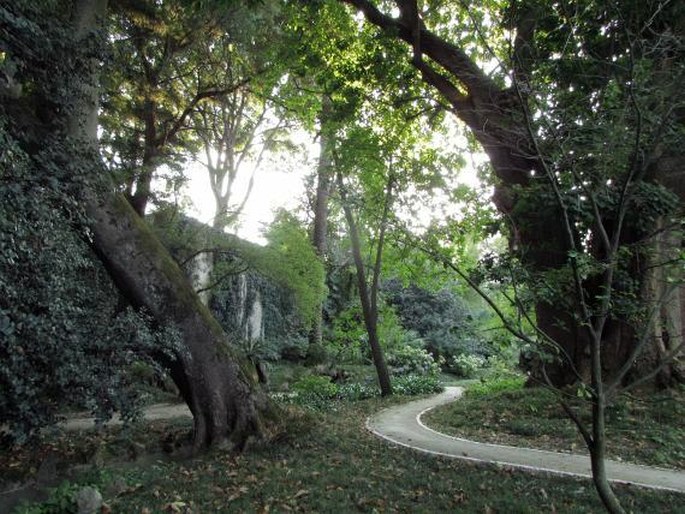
x=402 y=425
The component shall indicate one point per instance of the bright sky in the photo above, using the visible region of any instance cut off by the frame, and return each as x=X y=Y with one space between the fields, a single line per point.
x=279 y=182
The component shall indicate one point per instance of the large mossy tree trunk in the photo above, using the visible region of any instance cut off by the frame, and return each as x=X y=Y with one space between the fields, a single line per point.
x=212 y=376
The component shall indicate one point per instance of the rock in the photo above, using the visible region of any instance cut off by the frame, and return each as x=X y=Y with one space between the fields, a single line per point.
x=88 y=500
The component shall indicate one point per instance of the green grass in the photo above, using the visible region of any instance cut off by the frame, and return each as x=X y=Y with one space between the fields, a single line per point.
x=648 y=430
x=330 y=463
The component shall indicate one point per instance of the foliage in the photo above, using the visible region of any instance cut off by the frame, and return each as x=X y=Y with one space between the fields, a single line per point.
x=443 y=320
x=314 y=387
x=347 y=340
x=466 y=366
x=354 y=392
x=290 y=260
x=496 y=383
x=64 y=338
x=61 y=501
x=412 y=360
x=410 y=385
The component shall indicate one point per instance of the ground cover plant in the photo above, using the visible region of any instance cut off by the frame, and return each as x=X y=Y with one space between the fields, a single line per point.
x=644 y=430
x=328 y=462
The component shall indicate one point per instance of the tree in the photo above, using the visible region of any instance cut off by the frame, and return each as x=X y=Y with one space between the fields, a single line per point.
x=63 y=337
x=58 y=102
x=368 y=293
x=573 y=185
x=496 y=115
x=166 y=62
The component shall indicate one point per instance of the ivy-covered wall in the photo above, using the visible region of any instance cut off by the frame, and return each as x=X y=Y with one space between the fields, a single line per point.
x=257 y=311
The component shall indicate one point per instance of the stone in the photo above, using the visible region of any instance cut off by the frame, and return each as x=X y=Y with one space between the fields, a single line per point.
x=88 y=500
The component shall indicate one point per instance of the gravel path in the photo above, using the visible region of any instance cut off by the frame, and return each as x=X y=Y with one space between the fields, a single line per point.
x=402 y=425
x=151 y=413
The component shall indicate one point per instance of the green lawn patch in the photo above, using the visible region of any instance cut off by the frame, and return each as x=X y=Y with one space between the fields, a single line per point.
x=328 y=462
x=645 y=430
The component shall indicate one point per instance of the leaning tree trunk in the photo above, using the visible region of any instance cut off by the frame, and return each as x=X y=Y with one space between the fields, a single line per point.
x=211 y=375
x=367 y=297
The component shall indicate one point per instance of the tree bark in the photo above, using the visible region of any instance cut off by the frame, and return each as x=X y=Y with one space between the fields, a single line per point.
x=324 y=186
x=367 y=298
x=210 y=374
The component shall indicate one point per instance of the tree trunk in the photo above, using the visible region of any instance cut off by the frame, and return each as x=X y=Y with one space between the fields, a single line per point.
x=369 y=307
x=143 y=182
x=211 y=376
x=319 y=234
x=598 y=454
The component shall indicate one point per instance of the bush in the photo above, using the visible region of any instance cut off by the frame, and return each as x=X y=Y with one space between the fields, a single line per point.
x=442 y=319
x=347 y=340
x=496 y=384
x=410 y=360
x=467 y=366
x=315 y=387
x=355 y=391
x=61 y=501
x=417 y=384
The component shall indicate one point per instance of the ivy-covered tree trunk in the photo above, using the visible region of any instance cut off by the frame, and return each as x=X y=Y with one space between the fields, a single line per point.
x=211 y=375
x=324 y=186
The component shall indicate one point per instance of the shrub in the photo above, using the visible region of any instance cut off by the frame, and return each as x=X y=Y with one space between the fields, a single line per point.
x=467 y=366
x=417 y=384
x=61 y=501
x=347 y=340
x=496 y=384
x=355 y=391
x=410 y=360
x=315 y=387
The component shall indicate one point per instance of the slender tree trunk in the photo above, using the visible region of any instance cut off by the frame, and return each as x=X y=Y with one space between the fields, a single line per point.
x=210 y=374
x=598 y=455
x=319 y=234
x=369 y=307
x=143 y=182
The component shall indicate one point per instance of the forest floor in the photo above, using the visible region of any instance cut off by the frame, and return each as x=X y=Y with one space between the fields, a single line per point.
x=647 y=429
x=403 y=425
x=326 y=462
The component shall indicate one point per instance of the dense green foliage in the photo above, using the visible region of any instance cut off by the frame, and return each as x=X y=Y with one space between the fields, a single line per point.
x=442 y=320
x=64 y=339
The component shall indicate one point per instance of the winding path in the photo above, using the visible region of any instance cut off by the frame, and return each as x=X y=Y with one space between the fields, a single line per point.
x=402 y=425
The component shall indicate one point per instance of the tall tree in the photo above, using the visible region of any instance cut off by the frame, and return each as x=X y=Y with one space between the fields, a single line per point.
x=584 y=136
x=503 y=120
x=368 y=291
x=60 y=103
